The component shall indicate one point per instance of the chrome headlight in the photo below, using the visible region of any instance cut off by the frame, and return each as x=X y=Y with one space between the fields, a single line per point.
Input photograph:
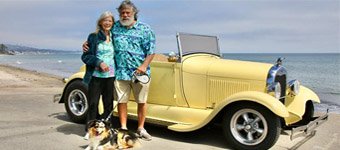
x=275 y=90
x=294 y=87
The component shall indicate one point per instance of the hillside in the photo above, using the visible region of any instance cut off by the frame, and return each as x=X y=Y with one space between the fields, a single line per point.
x=4 y=50
x=10 y=49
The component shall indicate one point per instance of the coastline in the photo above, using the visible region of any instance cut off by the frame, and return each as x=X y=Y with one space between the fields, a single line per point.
x=14 y=77
x=14 y=68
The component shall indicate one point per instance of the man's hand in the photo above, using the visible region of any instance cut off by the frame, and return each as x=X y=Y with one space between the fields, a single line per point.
x=141 y=69
x=104 y=67
x=85 y=47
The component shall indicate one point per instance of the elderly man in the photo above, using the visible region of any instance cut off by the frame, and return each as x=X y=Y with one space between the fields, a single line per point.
x=134 y=44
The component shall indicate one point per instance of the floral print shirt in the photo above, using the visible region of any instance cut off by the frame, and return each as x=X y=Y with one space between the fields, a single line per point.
x=105 y=52
x=132 y=46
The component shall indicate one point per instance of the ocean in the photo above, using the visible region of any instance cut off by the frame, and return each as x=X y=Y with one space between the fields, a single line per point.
x=319 y=72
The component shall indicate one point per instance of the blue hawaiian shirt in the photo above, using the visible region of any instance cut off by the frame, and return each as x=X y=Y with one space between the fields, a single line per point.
x=131 y=46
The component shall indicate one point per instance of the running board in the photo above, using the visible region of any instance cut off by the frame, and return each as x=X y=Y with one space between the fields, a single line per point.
x=151 y=120
x=308 y=130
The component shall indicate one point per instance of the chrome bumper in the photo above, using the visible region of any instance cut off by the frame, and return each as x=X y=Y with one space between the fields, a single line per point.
x=308 y=130
x=56 y=98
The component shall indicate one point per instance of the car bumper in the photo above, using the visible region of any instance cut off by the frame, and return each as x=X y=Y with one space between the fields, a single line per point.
x=308 y=129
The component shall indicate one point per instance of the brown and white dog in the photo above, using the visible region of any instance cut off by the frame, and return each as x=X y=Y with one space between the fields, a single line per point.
x=103 y=137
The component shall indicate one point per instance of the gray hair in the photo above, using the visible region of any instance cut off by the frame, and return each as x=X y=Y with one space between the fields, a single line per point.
x=128 y=4
x=101 y=18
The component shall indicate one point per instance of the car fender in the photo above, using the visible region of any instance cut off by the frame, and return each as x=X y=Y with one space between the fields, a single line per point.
x=309 y=94
x=264 y=99
x=76 y=76
x=296 y=104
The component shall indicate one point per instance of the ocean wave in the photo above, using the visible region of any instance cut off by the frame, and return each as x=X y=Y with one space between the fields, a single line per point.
x=324 y=107
x=18 y=62
x=335 y=93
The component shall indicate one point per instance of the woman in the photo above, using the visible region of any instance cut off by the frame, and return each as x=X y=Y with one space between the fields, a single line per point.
x=100 y=67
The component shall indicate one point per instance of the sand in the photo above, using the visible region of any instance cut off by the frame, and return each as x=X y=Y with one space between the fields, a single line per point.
x=28 y=116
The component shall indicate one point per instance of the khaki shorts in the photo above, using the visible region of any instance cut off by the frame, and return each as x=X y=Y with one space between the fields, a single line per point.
x=123 y=90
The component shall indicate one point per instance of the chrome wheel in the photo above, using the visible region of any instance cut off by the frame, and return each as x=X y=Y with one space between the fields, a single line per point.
x=77 y=102
x=249 y=127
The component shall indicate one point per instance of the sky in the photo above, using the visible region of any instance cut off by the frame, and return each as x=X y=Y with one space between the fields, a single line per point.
x=242 y=26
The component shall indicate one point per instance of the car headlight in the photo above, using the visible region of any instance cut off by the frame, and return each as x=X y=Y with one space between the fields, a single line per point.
x=275 y=90
x=294 y=87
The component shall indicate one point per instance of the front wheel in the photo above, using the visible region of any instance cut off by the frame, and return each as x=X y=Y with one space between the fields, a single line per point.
x=251 y=126
x=76 y=101
x=308 y=115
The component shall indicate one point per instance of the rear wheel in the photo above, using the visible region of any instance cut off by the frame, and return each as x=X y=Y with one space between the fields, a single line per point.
x=251 y=126
x=76 y=101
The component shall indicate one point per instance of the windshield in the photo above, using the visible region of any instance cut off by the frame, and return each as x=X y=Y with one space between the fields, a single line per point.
x=192 y=44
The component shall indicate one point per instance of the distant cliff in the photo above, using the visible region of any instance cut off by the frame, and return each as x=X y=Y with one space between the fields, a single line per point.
x=9 y=49
x=4 y=50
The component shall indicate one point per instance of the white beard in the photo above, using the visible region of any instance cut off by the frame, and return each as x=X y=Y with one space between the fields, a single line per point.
x=126 y=23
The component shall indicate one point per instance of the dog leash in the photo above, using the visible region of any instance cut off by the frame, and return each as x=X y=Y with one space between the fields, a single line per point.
x=111 y=113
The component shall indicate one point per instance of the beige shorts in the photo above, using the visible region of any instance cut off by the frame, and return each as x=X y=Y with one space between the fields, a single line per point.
x=123 y=90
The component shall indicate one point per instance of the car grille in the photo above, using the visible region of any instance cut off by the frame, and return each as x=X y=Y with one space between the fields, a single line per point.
x=283 y=82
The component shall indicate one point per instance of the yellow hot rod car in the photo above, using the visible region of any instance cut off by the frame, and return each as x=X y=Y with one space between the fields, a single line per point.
x=253 y=101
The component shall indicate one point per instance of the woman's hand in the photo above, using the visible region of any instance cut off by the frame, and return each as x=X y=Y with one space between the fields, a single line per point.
x=104 y=67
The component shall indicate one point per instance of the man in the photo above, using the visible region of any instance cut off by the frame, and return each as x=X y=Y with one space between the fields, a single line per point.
x=134 y=44
x=134 y=50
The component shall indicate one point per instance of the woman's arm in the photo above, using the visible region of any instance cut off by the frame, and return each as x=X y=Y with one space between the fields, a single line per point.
x=89 y=57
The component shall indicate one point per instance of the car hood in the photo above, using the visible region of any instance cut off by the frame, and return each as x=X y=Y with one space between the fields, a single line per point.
x=214 y=66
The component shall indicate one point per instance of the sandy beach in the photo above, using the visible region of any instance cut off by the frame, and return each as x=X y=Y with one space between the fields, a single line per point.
x=30 y=120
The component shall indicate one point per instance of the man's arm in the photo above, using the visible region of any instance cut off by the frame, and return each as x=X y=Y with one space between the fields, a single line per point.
x=149 y=46
x=146 y=63
x=85 y=46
